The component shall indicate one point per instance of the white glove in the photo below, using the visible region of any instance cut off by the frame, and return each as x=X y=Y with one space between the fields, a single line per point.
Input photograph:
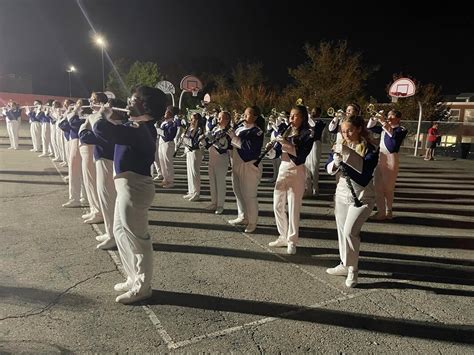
x=160 y=132
x=337 y=159
x=231 y=134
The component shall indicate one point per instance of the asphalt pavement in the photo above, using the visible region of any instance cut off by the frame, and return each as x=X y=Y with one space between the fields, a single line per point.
x=218 y=289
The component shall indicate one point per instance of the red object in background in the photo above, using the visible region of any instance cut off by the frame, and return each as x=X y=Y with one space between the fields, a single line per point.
x=28 y=99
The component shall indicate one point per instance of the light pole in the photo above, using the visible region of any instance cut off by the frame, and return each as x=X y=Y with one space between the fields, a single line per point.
x=100 y=41
x=69 y=71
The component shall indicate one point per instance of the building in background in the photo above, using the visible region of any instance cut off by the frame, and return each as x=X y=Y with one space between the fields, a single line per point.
x=17 y=83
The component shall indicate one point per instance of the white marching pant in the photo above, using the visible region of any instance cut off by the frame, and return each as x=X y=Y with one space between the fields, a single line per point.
x=89 y=177
x=385 y=178
x=54 y=143
x=46 y=137
x=166 y=160
x=106 y=193
x=349 y=221
x=193 y=166
x=156 y=163
x=312 y=167
x=74 y=170
x=67 y=148
x=245 y=179
x=35 y=130
x=135 y=195
x=289 y=188
x=218 y=164
x=13 y=129
x=60 y=140
x=276 y=167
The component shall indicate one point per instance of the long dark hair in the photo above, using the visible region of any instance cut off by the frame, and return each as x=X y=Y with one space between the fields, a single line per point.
x=304 y=112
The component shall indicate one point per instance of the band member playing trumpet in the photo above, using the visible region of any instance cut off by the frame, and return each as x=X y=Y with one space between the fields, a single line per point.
x=167 y=133
x=12 y=115
x=352 y=109
x=356 y=158
x=219 y=144
x=392 y=136
x=193 y=156
x=248 y=141
x=133 y=155
x=289 y=187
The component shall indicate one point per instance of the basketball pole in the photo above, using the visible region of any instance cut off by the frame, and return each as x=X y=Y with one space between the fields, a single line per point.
x=181 y=98
x=418 y=129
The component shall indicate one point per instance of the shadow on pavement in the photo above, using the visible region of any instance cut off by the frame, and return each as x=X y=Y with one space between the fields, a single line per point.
x=349 y=320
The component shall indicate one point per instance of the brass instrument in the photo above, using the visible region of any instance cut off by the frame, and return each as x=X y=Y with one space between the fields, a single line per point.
x=333 y=113
x=373 y=112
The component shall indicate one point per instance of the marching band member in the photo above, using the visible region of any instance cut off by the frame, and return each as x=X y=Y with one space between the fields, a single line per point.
x=314 y=158
x=355 y=158
x=167 y=133
x=35 y=124
x=191 y=141
x=156 y=163
x=53 y=114
x=12 y=115
x=46 y=131
x=392 y=136
x=289 y=186
x=248 y=141
x=219 y=144
x=134 y=153
x=352 y=109
x=63 y=125
x=72 y=122
x=89 y=173
x=275 y=154
x=104 y=156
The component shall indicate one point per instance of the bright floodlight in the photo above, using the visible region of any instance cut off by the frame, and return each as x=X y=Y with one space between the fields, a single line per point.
x=71 y=69
x=100 y=41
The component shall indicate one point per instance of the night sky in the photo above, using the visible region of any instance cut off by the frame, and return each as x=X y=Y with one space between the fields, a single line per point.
x=43 y=37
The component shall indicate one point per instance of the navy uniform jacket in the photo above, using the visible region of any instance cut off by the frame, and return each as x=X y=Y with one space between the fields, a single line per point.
x=303 y=143
x=168 y=130
x=14 y=114
x=75 y=123
x=134 y=145
x=35 y=117
x=371 y=159
x=394 y=142
x=251 y=142
x=191 y=139
x=318 y=129
x=219 y=140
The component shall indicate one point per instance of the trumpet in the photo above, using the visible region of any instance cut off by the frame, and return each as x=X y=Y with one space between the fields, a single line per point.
x=373 y=112
x=333 y=113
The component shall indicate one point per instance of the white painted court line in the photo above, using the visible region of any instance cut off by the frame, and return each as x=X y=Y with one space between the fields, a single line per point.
x=267 y=320
x=175 y=345
x=149 y=312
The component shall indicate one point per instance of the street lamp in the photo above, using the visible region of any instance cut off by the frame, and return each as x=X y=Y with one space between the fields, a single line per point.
x=69 y=71
x=100 y=41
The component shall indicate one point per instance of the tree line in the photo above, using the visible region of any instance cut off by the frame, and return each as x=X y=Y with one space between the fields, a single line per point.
x=331 y=76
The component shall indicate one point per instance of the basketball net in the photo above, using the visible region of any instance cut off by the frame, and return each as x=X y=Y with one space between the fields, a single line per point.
x=195 y=92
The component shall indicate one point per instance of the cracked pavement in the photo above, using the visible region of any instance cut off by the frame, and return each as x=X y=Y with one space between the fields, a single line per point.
x=219 y=290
